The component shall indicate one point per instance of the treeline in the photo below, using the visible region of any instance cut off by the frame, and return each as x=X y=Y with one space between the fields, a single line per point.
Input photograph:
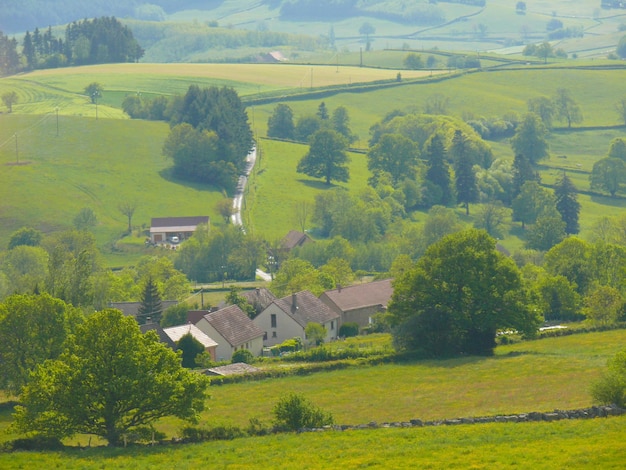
x=98 y=41
x=210 y=136
x=17 y=15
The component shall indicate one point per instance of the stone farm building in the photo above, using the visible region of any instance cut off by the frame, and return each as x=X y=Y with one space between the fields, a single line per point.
x=358 y=303
x=162 y=229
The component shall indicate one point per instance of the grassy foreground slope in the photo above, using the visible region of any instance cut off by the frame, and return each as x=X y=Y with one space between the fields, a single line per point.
x=569 y=444
x=539 y=375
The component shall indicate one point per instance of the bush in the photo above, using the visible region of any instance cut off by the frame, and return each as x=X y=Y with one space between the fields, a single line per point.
x=294 y=412
x=35 y=443
x=611 y=388
x=349 y=329
x=219 y=433
x=242 y=355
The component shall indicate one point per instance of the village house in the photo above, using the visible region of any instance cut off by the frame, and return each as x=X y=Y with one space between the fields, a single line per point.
x=175 y=229
x=288 y=317
x=175 y=333
x=231 y=329
x=358 y=303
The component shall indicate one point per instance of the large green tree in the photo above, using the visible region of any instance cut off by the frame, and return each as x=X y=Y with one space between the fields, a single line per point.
x=109 y=381
x=530 y=138
x=396 y=155
x=326 y=157
x=458 y=295
x=566 y=107
x=608 y=174
x=531 y=202
x=280 y=123
x=33 y=328
x=548 y=230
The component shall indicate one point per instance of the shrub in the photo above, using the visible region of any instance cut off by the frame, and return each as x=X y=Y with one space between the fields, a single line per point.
x=294 y=412
x=242 y=355
x=219 y=433
x=611 y=388
x=36 y=443
x=349 y=329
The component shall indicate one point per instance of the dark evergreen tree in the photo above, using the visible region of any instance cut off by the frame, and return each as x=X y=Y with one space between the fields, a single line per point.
x=567 y=203
x=465 y=176
x=322 y=111
x=28 y=51
x=438 y=171
x=522 y=172
x=150 y=308
x=190 y=348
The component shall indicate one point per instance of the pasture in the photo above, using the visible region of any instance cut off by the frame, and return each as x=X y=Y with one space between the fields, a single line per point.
x=542 y=375
x=97 y=172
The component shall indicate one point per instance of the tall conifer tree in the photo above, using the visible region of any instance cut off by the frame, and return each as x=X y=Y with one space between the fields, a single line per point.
x=567 y=203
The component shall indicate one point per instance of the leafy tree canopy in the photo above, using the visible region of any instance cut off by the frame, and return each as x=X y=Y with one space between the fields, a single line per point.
x=420 y=127
x=109 y=381
x=326 y=157
x=458 y=295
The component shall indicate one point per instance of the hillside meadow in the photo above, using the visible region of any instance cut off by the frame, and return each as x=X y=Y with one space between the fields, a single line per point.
x=94 y=163
x=542 y=375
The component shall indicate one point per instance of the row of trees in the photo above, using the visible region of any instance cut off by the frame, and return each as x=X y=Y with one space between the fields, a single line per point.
x=281 y=124
x=97 y=41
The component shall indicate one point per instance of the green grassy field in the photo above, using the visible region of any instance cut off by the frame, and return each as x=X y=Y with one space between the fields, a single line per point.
x=542 y=375
x=98 y=163
x=569 y=444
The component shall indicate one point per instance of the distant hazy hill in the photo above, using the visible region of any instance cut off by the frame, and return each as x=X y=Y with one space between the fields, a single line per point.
x=21 y=15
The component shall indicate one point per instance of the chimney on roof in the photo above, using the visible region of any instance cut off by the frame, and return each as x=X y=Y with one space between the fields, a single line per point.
x=294 y=303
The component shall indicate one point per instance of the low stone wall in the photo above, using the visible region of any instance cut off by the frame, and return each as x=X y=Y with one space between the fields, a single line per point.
x=556 y=415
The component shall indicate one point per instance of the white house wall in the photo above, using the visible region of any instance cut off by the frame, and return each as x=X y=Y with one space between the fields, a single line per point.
x=286 y=327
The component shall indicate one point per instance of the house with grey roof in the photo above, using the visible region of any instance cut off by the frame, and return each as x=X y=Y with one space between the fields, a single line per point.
x=358 y=303
x=288 y=317
x=260 y=298
x=131 y=309
x=294 y=239
x=232 y=330
x=166 y=229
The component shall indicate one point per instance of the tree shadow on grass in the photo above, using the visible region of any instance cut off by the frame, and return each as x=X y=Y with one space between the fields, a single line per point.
x=321 y=185
x=619 y=201
x=168 y=175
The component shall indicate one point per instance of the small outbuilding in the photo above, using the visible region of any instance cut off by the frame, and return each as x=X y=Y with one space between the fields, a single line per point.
x=175 y=229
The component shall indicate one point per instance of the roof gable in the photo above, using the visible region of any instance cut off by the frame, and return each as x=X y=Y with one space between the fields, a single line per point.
x=175 y=333
x=234 y=325
x=295 y=238
x=176 y=222
x=361 y=295
x=305 y=308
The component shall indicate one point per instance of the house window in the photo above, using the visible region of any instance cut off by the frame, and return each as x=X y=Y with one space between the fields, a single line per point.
x=332 y=325
x=273 y=320
x=273 y=334
x=265 y=336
